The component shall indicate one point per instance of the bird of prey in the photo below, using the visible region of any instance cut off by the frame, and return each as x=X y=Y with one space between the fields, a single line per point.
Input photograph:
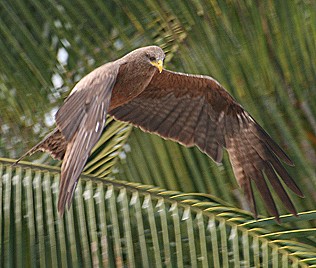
x=194 y=110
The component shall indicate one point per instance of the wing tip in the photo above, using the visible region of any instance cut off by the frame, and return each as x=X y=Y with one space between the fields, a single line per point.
x=299 y=193
x=61 y=205
x=61 y=212
x=295 y=189
x=290 y=162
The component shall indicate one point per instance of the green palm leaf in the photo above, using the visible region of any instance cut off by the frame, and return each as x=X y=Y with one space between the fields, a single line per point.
x=121 y=223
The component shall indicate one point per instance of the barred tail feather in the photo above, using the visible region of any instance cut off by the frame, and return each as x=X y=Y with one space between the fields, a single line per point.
x=54 y=144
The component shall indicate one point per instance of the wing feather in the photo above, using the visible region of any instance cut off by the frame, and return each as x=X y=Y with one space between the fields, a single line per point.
x=197 y=110
x=88 y=121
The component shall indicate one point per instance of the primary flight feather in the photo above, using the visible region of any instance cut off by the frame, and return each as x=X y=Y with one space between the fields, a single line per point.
x=193 y=110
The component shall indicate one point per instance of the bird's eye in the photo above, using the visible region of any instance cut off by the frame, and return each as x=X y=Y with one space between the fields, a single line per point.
x=152 y=58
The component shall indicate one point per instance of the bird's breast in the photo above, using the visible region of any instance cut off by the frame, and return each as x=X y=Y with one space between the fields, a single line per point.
x=129 y=84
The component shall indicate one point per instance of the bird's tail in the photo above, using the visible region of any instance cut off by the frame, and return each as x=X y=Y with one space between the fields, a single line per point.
x=54 y=143
x=29 y=152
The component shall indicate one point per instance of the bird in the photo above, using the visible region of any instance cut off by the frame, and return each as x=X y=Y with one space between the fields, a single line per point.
x=193 y=110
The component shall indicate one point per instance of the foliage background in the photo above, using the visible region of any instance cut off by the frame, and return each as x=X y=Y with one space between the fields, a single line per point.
x=263 y=52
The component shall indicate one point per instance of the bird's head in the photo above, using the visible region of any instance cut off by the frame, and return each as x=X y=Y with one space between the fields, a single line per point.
x=156 y=57
x=152 y=55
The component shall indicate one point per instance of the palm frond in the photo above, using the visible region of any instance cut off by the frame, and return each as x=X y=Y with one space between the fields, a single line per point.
x=123 y=223
x=109 y=149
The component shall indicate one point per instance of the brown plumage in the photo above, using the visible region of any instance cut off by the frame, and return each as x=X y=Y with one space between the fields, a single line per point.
x=189 y=109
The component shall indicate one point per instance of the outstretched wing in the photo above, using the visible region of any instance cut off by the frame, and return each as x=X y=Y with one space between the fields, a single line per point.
x=197 y=110
x=81 y=120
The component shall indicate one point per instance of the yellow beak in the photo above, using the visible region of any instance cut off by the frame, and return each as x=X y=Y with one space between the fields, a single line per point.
x=158 y=65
